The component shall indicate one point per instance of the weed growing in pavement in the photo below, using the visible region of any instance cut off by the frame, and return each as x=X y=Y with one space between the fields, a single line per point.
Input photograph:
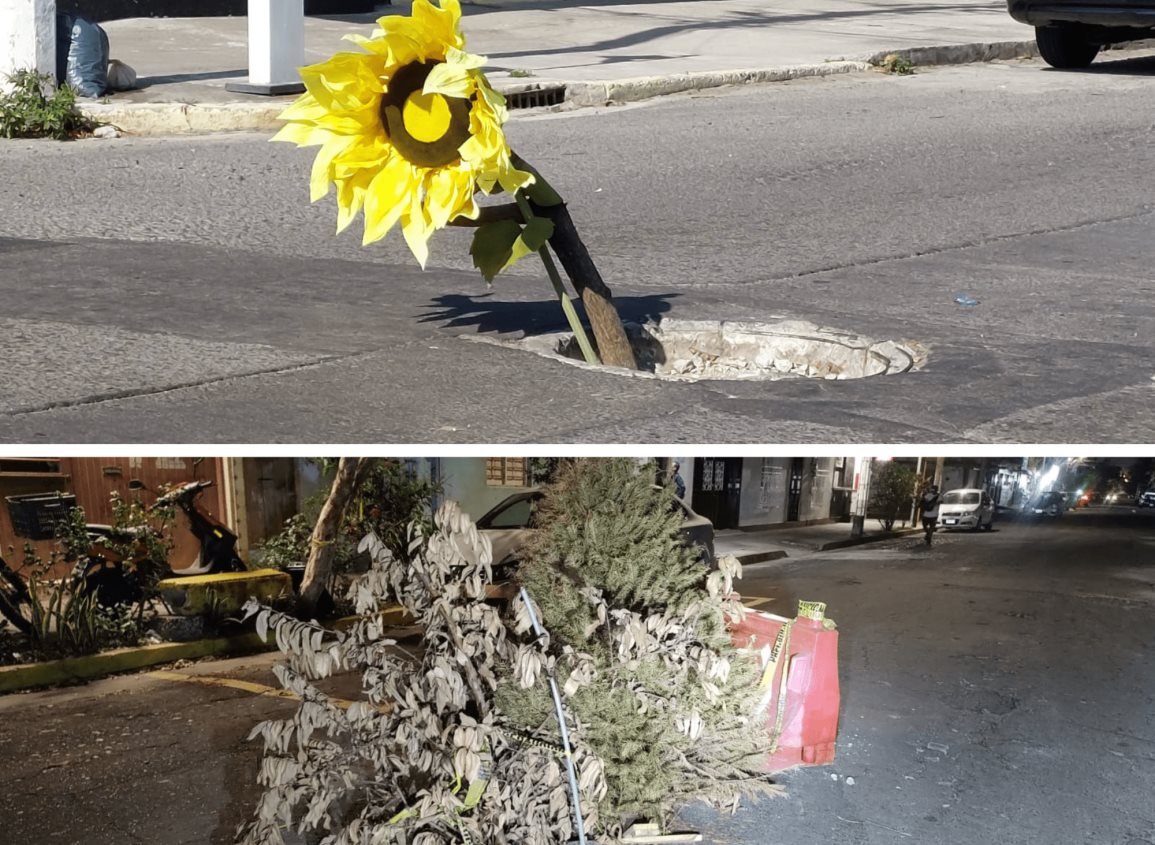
x=519 y=73
x=894 y=63
x=27 y=111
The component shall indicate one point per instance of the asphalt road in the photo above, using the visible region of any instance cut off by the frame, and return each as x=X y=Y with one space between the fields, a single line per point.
x=1026 y=652
x=184 y=290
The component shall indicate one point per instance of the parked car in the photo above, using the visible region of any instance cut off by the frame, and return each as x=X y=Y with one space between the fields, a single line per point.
x=966 y=508
x=1146 y=500
x=1070 y=33
x=1052 y=504
x=509 y=525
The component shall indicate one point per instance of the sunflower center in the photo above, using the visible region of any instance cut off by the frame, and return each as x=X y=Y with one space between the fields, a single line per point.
x=427 y=129
x=426 y=116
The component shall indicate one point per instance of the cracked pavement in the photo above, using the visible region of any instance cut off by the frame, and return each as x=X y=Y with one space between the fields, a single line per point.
x=185 y=290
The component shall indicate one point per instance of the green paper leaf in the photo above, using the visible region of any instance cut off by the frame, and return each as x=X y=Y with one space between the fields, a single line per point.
x=537 y=231
x=500 y=244
x=542 y=193
x=492 y=246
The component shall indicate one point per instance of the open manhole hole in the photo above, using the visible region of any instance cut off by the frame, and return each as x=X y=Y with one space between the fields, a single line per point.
x=698 y=350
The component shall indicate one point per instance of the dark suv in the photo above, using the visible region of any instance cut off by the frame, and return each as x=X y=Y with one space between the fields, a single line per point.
x=1070 y=34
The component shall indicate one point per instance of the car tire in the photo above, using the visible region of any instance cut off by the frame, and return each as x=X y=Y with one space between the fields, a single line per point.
x=1065 y=48
x=990 y=524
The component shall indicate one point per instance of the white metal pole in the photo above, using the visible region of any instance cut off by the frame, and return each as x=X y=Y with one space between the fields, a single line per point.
x=860 y=497
x=276 y=48
x=27 y=37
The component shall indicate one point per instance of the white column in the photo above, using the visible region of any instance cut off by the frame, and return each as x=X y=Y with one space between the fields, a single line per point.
x=27 y=37
x=860 y=497
x=276 y=48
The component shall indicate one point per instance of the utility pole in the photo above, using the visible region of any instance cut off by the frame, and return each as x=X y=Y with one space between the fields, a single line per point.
x=917 y=486
x=27 y=37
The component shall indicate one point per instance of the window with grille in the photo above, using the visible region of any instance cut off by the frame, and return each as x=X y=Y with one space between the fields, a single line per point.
x=507 y=472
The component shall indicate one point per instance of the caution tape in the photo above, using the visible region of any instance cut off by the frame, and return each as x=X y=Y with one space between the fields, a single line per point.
x=780 y=646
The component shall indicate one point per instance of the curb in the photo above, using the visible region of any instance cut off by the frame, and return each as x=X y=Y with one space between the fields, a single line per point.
x=202 y=119
x=832 y=545
x=993 y=51
x=70 y=670
x=646 y=87
x=90 y=667
x=960 y=54
x=185 y=118
x=761 y=557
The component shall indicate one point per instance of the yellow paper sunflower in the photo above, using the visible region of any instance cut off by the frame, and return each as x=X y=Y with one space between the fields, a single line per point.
x=409 y=130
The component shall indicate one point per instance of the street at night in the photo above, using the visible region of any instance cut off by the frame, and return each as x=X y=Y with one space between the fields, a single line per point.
x=995 y=687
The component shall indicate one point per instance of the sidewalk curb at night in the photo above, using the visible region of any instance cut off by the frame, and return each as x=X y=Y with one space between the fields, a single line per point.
x=748 y=558
x=896 y=534
x=72 y=670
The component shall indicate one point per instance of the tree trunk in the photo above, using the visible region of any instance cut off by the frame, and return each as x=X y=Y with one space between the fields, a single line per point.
x=613 y=344
x=318 y=569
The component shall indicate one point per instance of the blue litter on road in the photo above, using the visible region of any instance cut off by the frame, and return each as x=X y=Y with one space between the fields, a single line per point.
x=966 y=301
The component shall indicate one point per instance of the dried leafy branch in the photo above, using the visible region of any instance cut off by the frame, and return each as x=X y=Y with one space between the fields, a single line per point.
x=424 y=756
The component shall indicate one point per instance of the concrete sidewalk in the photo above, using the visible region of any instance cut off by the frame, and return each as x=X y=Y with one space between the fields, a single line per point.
x=598 y=50
x=776 y=543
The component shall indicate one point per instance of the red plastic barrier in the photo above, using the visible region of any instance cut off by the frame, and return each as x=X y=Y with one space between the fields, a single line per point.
x=803 y=712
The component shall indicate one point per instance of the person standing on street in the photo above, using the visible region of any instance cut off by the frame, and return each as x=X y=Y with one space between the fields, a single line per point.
x=928 y=504
x=679 y=484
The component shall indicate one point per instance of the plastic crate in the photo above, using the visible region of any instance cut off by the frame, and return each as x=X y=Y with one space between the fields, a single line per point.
x=36 y=516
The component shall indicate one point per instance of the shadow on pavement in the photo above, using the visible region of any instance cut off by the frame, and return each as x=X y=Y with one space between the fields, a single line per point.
x=506 y=317
x=149 y=81
x=1134 y=66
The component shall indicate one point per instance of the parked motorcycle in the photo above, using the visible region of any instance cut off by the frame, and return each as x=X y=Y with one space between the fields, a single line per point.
x=117 y=565
x=115 y=578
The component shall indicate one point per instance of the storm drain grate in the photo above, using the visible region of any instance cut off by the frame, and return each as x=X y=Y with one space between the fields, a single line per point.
x=536 y=98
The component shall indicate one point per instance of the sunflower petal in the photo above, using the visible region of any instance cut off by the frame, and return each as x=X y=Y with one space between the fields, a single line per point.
x=305 y=108
x=416 y=229
x=348 y=82
x=385 y=198
x=438 y=25
x=322 y=173
x=449 y=195
x=351 y=193
x=469 y=61
x=303 y=134
x=450 y=80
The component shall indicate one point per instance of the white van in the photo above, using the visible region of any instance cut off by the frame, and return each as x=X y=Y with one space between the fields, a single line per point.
x=966 y=508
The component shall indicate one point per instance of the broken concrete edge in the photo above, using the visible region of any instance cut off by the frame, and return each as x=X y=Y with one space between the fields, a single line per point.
x=211 y=118
x=959 y=54
x=90 y=667
x=991 y=51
